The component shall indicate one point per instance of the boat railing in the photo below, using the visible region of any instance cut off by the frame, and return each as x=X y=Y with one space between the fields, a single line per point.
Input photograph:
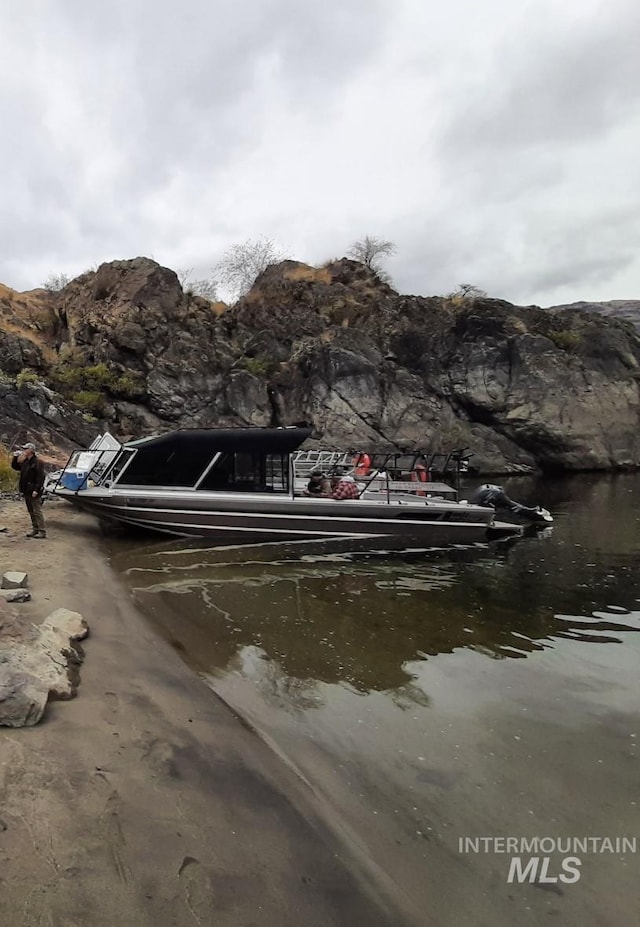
x=418 y=473
x=91 y=464
x=305 y=462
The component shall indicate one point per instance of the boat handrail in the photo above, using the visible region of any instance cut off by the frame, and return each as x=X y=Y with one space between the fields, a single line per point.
x=390 y=471
x=306 y=461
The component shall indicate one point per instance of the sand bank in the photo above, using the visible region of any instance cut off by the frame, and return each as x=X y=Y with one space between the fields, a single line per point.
x=145 y=800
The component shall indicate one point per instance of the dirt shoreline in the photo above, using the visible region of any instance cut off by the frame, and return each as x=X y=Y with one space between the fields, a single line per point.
x=146 y=800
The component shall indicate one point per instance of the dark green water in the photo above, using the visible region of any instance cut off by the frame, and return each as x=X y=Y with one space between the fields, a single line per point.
x=485 y=692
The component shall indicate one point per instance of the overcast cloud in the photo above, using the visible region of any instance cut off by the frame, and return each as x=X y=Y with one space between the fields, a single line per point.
x=495 y=143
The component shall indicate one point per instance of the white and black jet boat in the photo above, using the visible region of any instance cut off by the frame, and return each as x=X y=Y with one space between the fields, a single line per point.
x=239 y=485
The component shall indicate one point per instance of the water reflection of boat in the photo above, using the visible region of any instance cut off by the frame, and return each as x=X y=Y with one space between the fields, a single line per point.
x=368 y=623
x=239 y=485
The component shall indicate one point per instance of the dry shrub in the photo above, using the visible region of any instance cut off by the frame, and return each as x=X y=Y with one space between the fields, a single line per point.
x=566 y=340
x=516 y=325
x=8 y=477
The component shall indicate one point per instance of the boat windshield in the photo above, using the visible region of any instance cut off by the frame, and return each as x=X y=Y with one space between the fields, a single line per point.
x=167 y=466
x=112 y=473
x=238 y=471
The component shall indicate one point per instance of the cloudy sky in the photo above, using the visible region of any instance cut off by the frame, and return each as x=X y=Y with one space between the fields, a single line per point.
x=495 y=142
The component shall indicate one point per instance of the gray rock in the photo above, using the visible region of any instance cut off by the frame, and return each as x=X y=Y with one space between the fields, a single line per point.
x=15 y=595
x=16 y=414
x=38 y=664
x=23 y=697
x=13 y=579
x=52 y=656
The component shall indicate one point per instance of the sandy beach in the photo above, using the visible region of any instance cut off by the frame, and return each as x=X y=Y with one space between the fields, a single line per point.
x=145 y=800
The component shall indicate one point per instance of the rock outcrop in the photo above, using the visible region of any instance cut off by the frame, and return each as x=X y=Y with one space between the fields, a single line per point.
x=333 y=347
x=31 y=409
x=622 y=310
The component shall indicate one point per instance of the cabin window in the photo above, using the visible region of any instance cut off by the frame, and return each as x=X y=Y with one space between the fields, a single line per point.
x=277 y=472
x=245 y=472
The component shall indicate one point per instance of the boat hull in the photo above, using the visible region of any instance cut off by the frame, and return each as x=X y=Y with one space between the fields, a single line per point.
x=252 y=518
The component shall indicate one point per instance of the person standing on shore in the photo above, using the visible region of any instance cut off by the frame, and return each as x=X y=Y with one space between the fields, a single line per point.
x=31 y=485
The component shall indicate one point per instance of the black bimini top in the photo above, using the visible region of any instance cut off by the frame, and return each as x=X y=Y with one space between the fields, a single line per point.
x=181 y=457
x=247 y=440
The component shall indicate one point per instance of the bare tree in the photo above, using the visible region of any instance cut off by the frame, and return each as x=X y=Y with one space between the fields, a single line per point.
x=242 y=262
x=56 y=282
x=465 y=295
x=468 y=291
x=184 y=275
x=370 y=251
x=206 y=287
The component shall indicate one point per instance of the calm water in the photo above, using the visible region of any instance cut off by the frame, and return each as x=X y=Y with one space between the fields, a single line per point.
x=425 y=698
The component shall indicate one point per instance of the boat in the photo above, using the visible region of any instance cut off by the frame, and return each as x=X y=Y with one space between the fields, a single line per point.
x=240 y=485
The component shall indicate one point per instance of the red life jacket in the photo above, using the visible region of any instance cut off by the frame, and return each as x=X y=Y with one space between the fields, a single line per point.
x=362 y=464
x=419 y=474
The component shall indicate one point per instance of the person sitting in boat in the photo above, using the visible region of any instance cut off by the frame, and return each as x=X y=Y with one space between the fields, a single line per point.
x=495 y=496
x=343 y=487
x=318 y=485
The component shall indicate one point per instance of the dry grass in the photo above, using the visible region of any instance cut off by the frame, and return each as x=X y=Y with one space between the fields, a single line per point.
x=253 y=298
x=7 y=293
x=309 y=274
x=36 y=337
x=219 y=308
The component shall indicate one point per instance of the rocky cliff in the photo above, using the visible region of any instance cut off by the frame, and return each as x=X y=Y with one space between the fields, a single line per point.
x=624 y=310
x=334 y=347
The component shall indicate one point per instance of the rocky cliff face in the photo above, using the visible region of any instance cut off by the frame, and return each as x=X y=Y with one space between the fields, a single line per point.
x=623 y=310
x=333 y=347
x=28 y=407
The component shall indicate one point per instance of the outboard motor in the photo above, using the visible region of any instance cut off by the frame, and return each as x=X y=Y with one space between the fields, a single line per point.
x=495 y=496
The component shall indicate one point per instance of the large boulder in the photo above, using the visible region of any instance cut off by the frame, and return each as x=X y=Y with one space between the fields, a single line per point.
x=38 y=663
